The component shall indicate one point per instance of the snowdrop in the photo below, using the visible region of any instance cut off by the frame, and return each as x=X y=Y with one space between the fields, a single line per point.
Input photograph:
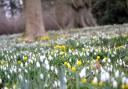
x=42 y=57
x=41 y=76
x=117 y=74
x=37 y=64
x=114 y=84
x=83 y=72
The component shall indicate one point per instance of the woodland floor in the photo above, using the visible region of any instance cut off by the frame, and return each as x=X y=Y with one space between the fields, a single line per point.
x=87 y=58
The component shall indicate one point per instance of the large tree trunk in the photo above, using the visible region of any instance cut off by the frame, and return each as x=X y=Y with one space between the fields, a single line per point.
x=34 y=20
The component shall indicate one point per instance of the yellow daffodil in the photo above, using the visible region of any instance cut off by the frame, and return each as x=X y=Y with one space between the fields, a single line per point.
x=100 y=83
x=44 y=38
x=79 y=62
x=94 y=81
x=123 y=86
x=98 y=57
x=19 y=62
x=83 y=80
x=67 y=65
x=60 y=47
x=126 y=86
x=25 y=58
x=73 y=69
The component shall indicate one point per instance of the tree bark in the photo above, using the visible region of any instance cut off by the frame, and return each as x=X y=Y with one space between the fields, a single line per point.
x=34 y=25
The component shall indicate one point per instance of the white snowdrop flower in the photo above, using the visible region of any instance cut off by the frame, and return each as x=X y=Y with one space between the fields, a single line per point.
x=103 y=77
x=15 y=70
x=31 y=61
x=34 y=59
x=19 y=70
x=26 y=71
x=110 y=68
x=109 y=60
x=70 y=51
x=55 y=84
x=112 y=79
x=124 y=80
x=45 y=85
x=58 y=82
x=8 y=76
x=65 y=79
x=37 y=64
x=81 y=54
x=52 y=68
x=120 y=62
x=107 y=75
x=42 y=58
x=55 y=54
x=20 y=77
x=83 y=72
x=95 y=80
x=122 y=74
x=124 y=63
x=70 y=60
x=117 y=74
x=92 y=49
x=76 y=52
x=26 y=80
x=46 y=64
x=50 y=57
x=104 y=60
x=41 y=76
x=56 y=71
x=26 y=64
x=0 y=81
x=87 y=53
x=97 y=71
x=114 y=52
x=48 y=75
x=21 y=64
x=5 y=88
x=87 y=67
x=95 y=53
x=115 y=84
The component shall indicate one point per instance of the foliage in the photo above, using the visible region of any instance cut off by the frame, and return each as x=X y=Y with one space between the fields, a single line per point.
x=110 y=11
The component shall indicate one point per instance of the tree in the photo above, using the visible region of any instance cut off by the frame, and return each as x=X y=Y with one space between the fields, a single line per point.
x=34 y=25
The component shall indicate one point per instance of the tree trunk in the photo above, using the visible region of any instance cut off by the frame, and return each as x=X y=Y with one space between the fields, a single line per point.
x=34 y=25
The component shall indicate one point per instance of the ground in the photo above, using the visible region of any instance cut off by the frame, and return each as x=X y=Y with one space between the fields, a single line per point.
x=87 y=58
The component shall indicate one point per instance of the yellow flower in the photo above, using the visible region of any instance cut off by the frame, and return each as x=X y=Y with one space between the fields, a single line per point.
x=100 y=83
x=44 y=38
x=14 y=86
x=25 y=58
x=73 y=69
x=84 y=80
x=94 y=81
x=60 y=47
x=98 y=57
x=19 y=62
x=79 y=62
x=67 y=65
x=126 y=86
x=123 y=86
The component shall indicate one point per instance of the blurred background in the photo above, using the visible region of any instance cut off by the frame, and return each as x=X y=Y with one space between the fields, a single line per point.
x=65 y=13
